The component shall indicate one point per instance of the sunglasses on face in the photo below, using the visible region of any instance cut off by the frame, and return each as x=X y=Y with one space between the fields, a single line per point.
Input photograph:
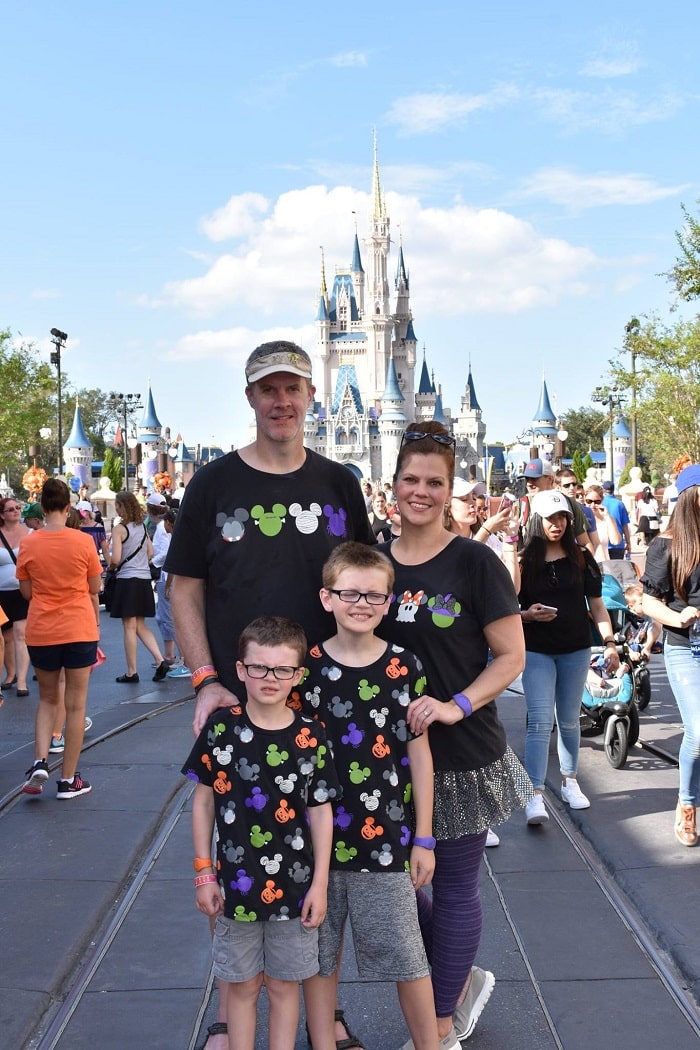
x=418 y=435
x=594 y=502
x=569 y=484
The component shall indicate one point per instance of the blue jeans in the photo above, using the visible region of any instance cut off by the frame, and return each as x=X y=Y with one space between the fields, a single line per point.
x=683 y=672
x=553 y=685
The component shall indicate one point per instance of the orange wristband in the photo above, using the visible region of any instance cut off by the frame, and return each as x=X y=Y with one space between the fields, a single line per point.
x=200 y=863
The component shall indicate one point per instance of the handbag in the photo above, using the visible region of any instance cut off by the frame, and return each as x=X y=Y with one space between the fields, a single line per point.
x=156 y=571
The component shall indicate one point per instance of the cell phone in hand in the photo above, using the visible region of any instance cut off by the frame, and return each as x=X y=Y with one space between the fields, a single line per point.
x=505 y=504
x=548 y=608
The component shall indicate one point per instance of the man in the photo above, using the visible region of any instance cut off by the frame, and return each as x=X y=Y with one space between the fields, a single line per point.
x=252 y=535
x=567 y=482
x=539 y=477
x=618 y=512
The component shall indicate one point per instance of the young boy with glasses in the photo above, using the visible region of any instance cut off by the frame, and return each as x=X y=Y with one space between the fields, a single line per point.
x=359 y=686
x=265 y=777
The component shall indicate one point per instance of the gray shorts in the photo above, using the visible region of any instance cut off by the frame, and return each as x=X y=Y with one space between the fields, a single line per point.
x=384 y=920
x=285 y=950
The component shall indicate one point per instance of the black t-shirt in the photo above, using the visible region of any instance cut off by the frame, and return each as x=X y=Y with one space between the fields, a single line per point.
x=364 y=712
x=658 y=583
x=259 y=541
x=563 y=584
x=439 y=612
x=263 y=781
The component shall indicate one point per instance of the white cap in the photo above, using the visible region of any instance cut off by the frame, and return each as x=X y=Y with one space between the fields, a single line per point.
x=461 y=487
x=550 y=502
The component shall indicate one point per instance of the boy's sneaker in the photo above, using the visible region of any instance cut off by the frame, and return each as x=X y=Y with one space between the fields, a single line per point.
x=78 y=787
x=478 y=994
x=58 y=743
x=535 y=810
x=36 y=778
x=571 y=794
x=450 y=1042
x=88 y=723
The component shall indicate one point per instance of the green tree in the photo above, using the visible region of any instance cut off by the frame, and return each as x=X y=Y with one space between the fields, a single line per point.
x=667 y=388
x=587 y=463
x=112 y=469
x=585 y=429
x=27 y=403
x=577 y=465
x=685 y=273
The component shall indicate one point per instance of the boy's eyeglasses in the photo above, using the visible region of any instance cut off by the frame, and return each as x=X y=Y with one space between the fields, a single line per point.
x=418 y=435
x=281 y=673
x=353 y=597
x=594 y=502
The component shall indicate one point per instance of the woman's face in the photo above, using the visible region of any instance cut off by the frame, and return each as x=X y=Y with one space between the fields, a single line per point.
x=555 y=527
x=379 y=504
x=463 y=509
x=422 y=488
x=594 y=500
x=11 y=514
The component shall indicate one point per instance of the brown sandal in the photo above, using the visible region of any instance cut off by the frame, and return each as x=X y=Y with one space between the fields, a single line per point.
x=351 y=1041
x=218 y=1028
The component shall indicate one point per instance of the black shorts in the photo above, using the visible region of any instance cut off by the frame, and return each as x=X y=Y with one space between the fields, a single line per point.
x=14 y=606
x=70 y=654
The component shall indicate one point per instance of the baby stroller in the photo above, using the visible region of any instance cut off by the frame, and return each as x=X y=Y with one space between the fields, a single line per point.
x=610 y=705
x=607 y=706
x=629 y=629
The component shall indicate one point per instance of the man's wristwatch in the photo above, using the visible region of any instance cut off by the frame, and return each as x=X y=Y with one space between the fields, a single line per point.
x=426 y=841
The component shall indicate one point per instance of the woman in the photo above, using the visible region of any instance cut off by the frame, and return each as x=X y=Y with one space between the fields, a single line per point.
x=12 y=532
x=379 y=518
x=133 y=600
x=558 y=578
x=58 y=569
x=647 y=516
x=608 y=531
x=671 y=584
x=454 y=603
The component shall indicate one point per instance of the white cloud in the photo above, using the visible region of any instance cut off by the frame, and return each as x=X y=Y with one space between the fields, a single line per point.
x=614 y=59
x=238 y=217
x=579 y=191
x=232 y=346
x=608 y=111
x=469 y=261
x=346 y=59
x=427 y=112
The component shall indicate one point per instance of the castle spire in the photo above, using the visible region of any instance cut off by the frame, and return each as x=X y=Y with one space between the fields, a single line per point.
x=379 y=206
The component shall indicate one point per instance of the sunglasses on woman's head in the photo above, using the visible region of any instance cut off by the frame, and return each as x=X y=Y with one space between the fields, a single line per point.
x=418 y=435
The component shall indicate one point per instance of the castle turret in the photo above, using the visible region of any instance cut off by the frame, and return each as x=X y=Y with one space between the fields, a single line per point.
x=77 y=451
x=150 y=439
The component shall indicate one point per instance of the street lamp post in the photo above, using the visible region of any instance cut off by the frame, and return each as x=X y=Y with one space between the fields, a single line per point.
x=632 y=330
x=613 y=400
x=124 y=405
x=59 y=340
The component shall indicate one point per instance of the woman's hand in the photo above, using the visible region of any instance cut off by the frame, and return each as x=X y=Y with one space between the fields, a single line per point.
x=687 y=615
x=427 y=710
x=538 y=613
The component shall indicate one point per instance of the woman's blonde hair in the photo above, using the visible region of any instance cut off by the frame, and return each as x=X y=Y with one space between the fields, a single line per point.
x=131 y=509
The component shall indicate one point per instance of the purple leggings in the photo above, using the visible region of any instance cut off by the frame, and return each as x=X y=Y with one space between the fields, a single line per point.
x=451 y=922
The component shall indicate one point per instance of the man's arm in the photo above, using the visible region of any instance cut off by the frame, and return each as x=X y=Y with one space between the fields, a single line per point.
x=187 y=601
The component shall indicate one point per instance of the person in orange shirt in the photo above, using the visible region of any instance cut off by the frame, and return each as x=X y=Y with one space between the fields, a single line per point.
x=60 y=574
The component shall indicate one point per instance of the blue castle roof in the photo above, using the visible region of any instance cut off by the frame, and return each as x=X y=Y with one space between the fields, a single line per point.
x=544 y=411
x=356 y=265
x=150 y=420
x=425 y=385
x=77 y=437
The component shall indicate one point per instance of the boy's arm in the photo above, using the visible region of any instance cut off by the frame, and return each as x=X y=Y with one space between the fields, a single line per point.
x=208 y=897
x=421 y=762
x=313 y=911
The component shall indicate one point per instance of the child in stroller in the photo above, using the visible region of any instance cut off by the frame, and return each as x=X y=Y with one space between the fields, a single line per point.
x=607 y=706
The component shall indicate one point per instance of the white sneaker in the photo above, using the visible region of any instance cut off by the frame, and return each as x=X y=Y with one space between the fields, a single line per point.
x=450 y=1042
x=571 y=794
x=492 y=838
x=535 y=811
x=478 y=994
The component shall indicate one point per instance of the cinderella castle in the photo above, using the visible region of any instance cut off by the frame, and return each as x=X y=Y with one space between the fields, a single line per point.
x=367 y=347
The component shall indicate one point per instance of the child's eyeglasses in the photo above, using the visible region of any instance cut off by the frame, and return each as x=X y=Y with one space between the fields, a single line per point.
x=353 y=597
x=281 y=673
x=418 y=435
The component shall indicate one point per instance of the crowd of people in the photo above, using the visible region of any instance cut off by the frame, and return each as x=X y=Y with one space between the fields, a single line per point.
x=346 y=727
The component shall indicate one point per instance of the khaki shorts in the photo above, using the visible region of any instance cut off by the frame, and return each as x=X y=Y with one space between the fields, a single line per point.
x=284 y=950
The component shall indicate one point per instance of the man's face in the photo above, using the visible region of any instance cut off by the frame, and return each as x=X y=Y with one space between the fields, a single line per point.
x=542 y=484
x=568 y=485
x=280 y=402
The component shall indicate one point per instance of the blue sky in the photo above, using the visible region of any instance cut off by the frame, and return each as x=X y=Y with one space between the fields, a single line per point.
x=171 y=170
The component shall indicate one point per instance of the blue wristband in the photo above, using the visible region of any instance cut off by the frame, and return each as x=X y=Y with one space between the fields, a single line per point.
x=463 y=703
x=427 y=841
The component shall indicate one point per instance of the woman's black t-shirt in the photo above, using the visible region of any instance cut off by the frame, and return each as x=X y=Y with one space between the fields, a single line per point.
x=562 y=584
